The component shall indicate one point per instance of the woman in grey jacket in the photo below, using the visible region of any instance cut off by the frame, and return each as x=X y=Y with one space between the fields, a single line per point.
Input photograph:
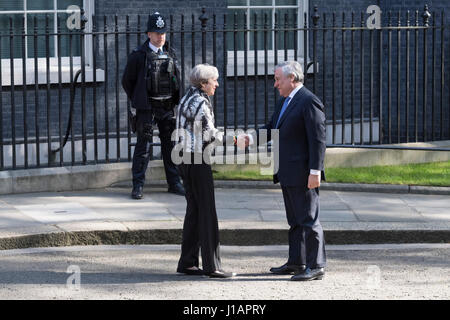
x=195 y=131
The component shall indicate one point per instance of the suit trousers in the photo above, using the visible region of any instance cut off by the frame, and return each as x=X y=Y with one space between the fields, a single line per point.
x=200 y=229
x=142 y=154
x=306 y=238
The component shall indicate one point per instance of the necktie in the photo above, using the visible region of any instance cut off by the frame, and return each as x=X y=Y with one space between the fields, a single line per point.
x=285 y=104
x=159 y=52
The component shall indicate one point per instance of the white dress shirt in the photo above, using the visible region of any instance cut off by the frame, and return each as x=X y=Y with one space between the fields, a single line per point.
x=294 y=92
x=154 y=48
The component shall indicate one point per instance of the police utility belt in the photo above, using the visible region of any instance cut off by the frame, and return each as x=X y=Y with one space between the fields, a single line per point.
x=164 y=103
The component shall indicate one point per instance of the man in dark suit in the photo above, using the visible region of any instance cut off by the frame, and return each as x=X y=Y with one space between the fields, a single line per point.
x=300 y=119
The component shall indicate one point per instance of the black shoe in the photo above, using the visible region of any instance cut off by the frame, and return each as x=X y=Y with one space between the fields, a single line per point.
x=288 y=269
x=191 y=272
x=310 y=274
x=137 y=193
x=221 y=274
x=177 y=189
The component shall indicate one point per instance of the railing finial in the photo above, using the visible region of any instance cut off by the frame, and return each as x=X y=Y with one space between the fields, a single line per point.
x=426 y=16
x=83 y=19
x=315 y=17
x=203 y=18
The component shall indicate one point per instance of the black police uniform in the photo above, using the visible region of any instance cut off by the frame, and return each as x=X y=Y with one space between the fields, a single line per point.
x=152 y=83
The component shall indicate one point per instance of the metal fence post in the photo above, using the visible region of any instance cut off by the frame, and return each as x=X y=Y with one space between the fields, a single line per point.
x=24 y=95
x=203 y=18
x=426 y=17
x=13 y=101
x=83 y=85
x=315 y=19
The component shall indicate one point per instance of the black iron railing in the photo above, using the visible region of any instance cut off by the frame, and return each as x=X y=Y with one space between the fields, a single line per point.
x=379 y=86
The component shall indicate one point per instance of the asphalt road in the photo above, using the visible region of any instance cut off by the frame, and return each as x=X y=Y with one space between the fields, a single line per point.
x=148 y=272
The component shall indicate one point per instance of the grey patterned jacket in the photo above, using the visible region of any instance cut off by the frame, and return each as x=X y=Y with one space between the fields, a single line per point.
x=195 y=128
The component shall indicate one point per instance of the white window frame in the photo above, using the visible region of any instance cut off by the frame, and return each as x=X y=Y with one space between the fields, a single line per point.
x=302 y=7
x=89 y=7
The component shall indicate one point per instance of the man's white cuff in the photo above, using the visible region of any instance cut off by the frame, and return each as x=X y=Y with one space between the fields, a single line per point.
x=314 y=172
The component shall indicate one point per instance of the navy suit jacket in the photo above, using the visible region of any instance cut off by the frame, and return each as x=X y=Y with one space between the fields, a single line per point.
x=302 y=139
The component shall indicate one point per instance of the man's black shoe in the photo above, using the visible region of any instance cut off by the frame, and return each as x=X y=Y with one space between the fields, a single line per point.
x=191 y=272
x=177 y=189
x=288 y=269
x=221 y=274
x=310 y=274
x=137 y=193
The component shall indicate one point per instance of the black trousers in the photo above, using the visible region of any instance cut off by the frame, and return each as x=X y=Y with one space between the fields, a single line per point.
x=306 y=239
x=201 y=229
x=141 y=154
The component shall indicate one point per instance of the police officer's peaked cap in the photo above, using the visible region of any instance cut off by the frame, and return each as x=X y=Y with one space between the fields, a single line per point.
x=156 y=23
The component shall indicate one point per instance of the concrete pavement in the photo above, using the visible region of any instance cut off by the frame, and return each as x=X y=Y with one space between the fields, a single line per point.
x=249 y=214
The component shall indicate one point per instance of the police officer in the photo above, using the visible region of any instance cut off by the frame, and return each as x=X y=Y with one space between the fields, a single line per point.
x=152 y=82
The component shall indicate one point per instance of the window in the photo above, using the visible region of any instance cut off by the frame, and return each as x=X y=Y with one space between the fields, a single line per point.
x=260 y=13
x=27 y=16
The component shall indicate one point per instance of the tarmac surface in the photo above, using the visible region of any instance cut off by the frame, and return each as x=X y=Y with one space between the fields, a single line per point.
x=249 y=214
x=407 y=271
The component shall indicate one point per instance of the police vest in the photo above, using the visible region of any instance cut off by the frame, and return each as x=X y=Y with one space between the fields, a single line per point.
x=161 y=82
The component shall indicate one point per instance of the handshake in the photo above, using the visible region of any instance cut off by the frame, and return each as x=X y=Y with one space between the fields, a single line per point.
x=242 y=141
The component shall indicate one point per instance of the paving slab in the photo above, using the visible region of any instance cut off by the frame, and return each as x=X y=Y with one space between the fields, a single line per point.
x=430 y=201
x=337 y=215
x=246 y=216
x=273 y=215
x=52 y=213
x=239 y=214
